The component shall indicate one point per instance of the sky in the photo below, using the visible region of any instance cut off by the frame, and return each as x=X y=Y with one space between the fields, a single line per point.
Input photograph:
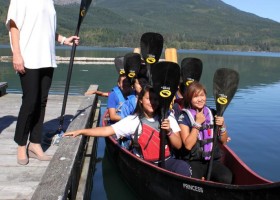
x=263 y=8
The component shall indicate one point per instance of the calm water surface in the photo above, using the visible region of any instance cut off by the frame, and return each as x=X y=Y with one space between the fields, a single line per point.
x=252 y=117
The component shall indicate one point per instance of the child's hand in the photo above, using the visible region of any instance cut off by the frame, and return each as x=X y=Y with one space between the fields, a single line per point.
x=90 y=92
x=200 y=118
x=72 y=133
x=219 y=120
x=165 y=124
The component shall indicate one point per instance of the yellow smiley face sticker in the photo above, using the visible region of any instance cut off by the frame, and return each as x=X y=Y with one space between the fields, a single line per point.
x=222 y=100
x=151 y=60
x=188 y=82
x=131 y=74
x=165 y=93
x=122 y=71
x=83 y=12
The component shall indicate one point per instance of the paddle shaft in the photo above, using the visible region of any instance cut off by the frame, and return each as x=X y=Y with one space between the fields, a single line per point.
x=215 y=136
x=163 y=139
x=210 y=165
x=83 y=10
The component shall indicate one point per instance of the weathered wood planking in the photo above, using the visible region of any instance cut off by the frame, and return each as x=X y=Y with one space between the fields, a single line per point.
x=61 y=179
x=20 y=182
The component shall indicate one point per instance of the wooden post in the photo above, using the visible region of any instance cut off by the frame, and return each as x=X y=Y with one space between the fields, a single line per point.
x=3 y=87
x=171 y=55
x=137 y=50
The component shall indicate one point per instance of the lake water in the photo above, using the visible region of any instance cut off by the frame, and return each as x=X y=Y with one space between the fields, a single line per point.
x=252 y=117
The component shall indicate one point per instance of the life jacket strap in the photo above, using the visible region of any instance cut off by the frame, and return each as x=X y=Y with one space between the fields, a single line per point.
x=205 y=141
x=205 y=154
x=206 y=127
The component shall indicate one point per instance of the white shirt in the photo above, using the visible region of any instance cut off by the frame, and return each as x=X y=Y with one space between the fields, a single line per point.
x=127 y=126
x=36 y=21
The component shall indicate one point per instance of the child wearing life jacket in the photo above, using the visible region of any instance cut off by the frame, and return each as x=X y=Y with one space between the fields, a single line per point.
x=197 y=122
x=117 y=97
x=145 y=124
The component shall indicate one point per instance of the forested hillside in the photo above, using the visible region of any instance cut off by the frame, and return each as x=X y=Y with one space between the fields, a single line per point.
x=186 y=24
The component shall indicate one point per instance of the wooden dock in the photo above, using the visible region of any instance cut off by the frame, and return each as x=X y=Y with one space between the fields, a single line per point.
x=27 y=182
x=77 y=60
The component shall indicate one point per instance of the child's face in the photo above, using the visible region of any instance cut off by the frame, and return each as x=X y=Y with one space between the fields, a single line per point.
x=124 y=84
x=150 y=103
x=199 y=100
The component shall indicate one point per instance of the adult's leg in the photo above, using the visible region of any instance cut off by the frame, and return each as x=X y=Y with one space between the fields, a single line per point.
x=30 y=91
x=35 y=150
x=46 y=75
x=29 y=85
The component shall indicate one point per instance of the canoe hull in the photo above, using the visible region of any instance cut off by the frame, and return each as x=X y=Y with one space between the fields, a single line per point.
x=152 y=182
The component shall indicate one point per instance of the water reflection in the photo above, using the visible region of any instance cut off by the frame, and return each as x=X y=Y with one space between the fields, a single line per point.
x=253 y=122
x=253 y=70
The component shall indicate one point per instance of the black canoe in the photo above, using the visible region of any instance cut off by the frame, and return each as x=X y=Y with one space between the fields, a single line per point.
x=152 y=182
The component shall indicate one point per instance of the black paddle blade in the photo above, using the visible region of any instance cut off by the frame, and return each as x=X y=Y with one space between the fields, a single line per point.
x=132 y=63
x=151 y=45
x=225 y=83
x=191 y=70
x=119 y=64
x=83 y=11
x=143 y=69
x=166 y=77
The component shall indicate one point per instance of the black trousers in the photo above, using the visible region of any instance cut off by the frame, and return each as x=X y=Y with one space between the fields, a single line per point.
x=35 y=85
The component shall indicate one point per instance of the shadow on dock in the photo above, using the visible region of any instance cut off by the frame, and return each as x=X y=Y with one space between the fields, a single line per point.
x=6 y=121
x=51 y=128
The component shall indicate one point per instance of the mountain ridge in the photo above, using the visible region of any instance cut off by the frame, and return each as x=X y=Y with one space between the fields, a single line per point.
x=185 y=24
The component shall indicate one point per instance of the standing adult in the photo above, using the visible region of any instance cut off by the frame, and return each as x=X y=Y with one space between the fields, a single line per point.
x=32 y=31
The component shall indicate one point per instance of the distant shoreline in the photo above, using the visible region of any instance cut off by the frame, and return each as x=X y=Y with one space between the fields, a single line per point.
x=129 y=49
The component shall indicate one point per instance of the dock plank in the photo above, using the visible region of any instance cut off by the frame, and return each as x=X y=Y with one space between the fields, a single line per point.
x=19 y=190
x=16 y=181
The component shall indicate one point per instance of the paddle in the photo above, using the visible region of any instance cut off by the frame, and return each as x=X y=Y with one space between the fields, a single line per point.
x=151 y=45
x=132 y=63
x=165 y=77
x=119 y=64
x=191 y=70
x=83 y=11
x=225 y=83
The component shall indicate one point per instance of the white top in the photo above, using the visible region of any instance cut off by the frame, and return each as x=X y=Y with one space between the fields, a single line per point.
x=127 y=126
x=36 y=21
